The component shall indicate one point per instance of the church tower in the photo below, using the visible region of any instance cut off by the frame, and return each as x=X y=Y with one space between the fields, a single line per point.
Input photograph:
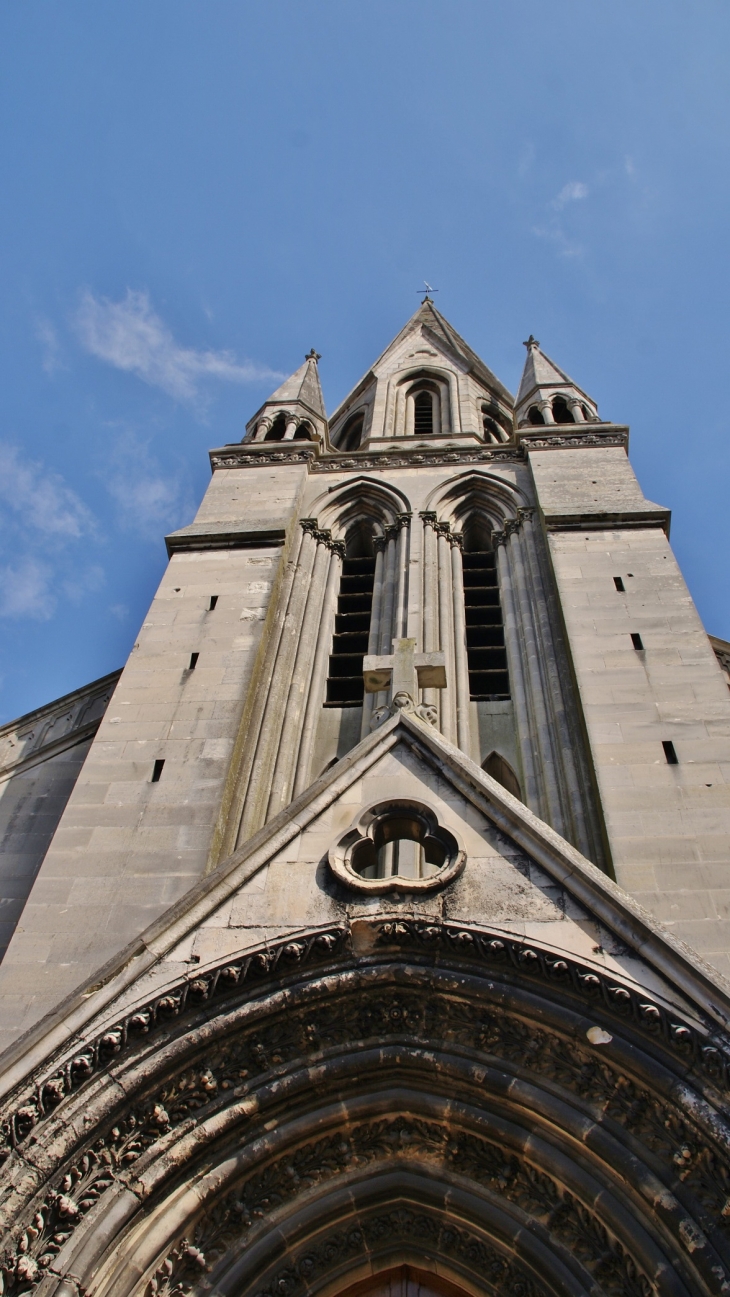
x=380 y=944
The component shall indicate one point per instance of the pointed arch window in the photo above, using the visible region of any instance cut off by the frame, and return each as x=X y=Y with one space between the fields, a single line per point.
x=535 y=416
x=500 y=769
x=351 y=435
x=561 y=412
x=277 y=429
x=494 y=431
x=345 y=686
x=485 y=648
x=423 y=420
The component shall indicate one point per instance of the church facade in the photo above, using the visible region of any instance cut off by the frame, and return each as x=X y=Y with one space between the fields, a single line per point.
x=375 y=936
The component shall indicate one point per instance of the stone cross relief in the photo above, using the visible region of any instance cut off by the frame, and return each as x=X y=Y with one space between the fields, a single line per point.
x=404 y=672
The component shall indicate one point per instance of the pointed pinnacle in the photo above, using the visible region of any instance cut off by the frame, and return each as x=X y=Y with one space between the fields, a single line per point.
x=531 y=342
x=313 y=355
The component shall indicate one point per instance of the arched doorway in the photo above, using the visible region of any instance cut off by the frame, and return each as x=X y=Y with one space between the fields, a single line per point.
x=326 y=1111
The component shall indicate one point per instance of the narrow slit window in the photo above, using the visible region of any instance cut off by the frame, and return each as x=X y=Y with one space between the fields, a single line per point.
x=619 y=584
x=485 y=649
x=213 y=602
x=670 y=752
x=637 y=641
x=157 y=770
x=345 y=686
x=423 y=414
x=193 y=661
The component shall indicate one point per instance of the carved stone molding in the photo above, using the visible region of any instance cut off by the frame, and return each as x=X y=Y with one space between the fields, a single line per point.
x=469 y=1009
x=577 y=440
x=414 y=459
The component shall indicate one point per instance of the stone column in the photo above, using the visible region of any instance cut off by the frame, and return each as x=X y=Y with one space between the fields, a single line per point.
x=461 y=666
x=262 y=427
x=576 y=409
x=401 y=589
x=315 y=699
x=515 y=663
x=546 y=410
x=292 y=423
x=288 y=740
x=575 y=796
x=535 y=674
x=446 y=632
x=375 y=620
x=387 y=603
x=429 y=598
x=267 y=747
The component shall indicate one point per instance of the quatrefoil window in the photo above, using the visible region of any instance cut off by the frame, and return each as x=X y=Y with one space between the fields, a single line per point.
x=397 y=845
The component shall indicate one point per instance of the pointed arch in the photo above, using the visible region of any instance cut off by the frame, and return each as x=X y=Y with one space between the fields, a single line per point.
x=486 y=494
x=465 y=1118
x=357 y=500
x=500 y=769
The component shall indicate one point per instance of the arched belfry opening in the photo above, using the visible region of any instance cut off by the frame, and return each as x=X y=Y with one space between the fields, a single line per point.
x=423 y=420
x=351 y=435
x=352 y=620
x=561 y=411
x=277 y=429
x=486 y=653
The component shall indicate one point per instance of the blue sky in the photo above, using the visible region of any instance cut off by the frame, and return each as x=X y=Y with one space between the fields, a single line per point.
x=195 y=192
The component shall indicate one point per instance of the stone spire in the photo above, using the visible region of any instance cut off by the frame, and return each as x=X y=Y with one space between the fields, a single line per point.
x=548 y=395
x=296 y=409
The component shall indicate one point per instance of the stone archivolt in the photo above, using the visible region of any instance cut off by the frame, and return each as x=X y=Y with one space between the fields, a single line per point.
x=437 y=1098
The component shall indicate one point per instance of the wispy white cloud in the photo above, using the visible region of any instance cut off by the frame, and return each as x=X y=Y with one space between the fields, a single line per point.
x=41 y=519
x=149 y=500
x=570 y=193
x=131 y=336
x=40 y=498
x=48 y=337
x=554 y=231
x=25 y=590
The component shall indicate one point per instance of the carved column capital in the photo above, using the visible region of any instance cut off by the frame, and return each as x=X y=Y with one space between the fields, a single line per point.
x=429 y=518
x=310 y=526
x=455 y=539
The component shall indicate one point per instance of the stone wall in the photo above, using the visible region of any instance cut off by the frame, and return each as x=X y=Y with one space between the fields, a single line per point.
x=41 y=755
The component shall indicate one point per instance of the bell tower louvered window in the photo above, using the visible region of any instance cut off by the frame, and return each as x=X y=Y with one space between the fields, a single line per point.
x=345 y=687
x=485 y=650
x=423 y=414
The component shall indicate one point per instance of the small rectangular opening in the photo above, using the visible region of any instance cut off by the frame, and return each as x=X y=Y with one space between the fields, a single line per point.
x=669 y=752
x=193 y=661
x=619 y=584
x=157 y=770
x=213 y=602
x=637 y=641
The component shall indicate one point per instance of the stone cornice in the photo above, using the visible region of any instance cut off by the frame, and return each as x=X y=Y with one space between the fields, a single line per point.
x=582 y=436
x=573 y=436
x=43 y=733
x=230 y=534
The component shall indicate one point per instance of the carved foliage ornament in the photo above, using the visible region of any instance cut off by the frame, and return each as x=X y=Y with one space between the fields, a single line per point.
x=424 y=1016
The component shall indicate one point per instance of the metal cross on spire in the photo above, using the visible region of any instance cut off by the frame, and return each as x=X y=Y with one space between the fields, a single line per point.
x=427 y=291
